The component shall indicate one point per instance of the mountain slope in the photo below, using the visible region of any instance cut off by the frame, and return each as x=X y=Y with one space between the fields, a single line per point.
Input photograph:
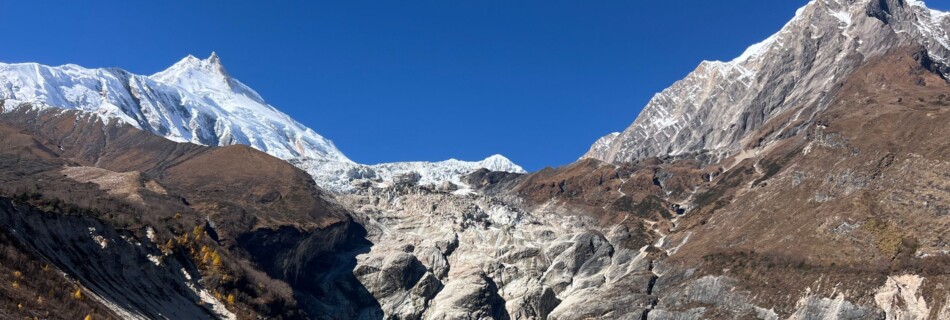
x=714 y=109
x=139 y=220
x=846 y=219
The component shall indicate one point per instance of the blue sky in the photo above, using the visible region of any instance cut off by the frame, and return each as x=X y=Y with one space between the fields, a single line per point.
x=537 y=81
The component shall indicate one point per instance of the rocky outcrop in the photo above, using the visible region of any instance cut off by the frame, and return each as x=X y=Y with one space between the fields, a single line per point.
x=438 y=255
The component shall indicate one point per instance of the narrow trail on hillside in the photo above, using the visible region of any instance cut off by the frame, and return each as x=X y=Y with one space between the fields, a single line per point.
x=651 y=263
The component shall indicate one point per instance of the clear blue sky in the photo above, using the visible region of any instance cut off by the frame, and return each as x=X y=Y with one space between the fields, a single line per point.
x=537 y=81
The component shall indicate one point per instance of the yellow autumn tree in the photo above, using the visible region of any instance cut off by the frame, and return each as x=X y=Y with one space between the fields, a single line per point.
x=216 y=259
x=16 y=279
x=231 y=299
x=205 y=255
x=88 y=317
x=169 y=246
x=198 y=231
x=78 y=294
x=183 y=239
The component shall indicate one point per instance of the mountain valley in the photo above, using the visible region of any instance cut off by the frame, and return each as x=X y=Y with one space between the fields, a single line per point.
x=807 y=179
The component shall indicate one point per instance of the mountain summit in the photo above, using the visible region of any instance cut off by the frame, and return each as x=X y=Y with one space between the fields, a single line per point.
x=203 y=75
x=782 y=80
x=193 y=101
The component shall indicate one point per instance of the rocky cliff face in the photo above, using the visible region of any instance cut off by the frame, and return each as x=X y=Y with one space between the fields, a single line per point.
x=716 y=107
x=442 y=256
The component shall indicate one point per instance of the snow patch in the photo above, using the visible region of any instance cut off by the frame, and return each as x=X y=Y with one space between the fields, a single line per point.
x=217 y=307
x=150 y=234
x=119 y=311
x=157 y=260
x=102 y=241
x=463 y=192
x=844 y=17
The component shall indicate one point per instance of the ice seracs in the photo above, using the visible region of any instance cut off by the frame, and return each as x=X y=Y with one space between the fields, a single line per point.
x=340 y=176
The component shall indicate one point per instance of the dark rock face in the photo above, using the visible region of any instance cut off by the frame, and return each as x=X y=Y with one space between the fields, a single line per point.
x=109 y=263
x=486 y=180
x=881 y=10
x=319 y=266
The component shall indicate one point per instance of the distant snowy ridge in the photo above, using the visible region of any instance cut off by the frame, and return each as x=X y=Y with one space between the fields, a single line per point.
x=340 y=176
x=197 y=101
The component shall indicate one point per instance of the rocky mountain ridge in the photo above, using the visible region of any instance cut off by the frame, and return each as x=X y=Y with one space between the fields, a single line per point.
x=713 y=110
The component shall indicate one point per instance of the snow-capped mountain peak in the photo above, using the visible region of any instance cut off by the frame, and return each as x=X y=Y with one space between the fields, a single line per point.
x=195 y=100
x=211 y=65
x=497 y=162
x=198 y=101
x=205 y=76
